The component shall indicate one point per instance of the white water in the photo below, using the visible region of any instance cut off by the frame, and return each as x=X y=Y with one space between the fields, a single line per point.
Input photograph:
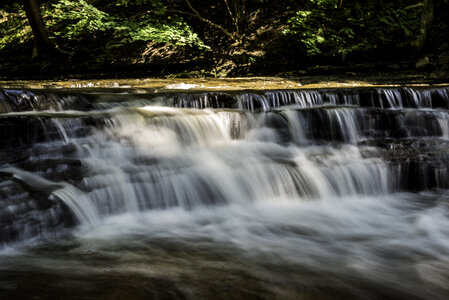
x=359 y=236
x=184 y=194
x=81 y=206
x=159 y=157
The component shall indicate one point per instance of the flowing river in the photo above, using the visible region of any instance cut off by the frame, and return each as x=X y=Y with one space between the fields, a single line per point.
x=336 y=193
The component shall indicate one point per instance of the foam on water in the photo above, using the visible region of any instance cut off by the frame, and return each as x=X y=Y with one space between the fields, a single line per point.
x=287 y=200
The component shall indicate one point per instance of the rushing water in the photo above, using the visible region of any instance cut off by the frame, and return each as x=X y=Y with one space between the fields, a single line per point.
x=306 y=194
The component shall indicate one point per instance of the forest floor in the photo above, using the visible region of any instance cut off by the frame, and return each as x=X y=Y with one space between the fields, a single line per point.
x=408 y=71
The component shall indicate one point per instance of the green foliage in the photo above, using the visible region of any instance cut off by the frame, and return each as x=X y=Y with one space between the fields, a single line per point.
x=78 y=19
x=398 y=20
x=110 y=30
x=155 y=5
x=305 y=26
x=72 y=19
x=325 y=28
x=109 y=25
x=14 y=29
x=175 y=32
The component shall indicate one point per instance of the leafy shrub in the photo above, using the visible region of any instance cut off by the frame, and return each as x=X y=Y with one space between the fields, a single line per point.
x=324 y=27
x=74 y=19
x=80 y=24
x=14 y=29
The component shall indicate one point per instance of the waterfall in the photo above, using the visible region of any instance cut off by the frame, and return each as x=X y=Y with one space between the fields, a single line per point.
x=69 y=195
x=342 y=191
x=157 y=151
x=159 y=157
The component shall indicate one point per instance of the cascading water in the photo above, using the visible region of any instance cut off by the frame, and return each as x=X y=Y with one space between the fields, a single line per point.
x=274 y=194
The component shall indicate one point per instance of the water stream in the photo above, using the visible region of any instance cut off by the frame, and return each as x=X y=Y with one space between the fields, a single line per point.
x=288 y=194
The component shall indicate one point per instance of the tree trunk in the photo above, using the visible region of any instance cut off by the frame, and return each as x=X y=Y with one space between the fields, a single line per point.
x=426 y=21
x=42 y=42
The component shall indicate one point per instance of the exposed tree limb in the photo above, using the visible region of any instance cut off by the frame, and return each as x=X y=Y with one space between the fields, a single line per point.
x=229 y=10
x=426 y=21
x=234 y=20
x=219 y=27
x=414 y=6
x=239 y=11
